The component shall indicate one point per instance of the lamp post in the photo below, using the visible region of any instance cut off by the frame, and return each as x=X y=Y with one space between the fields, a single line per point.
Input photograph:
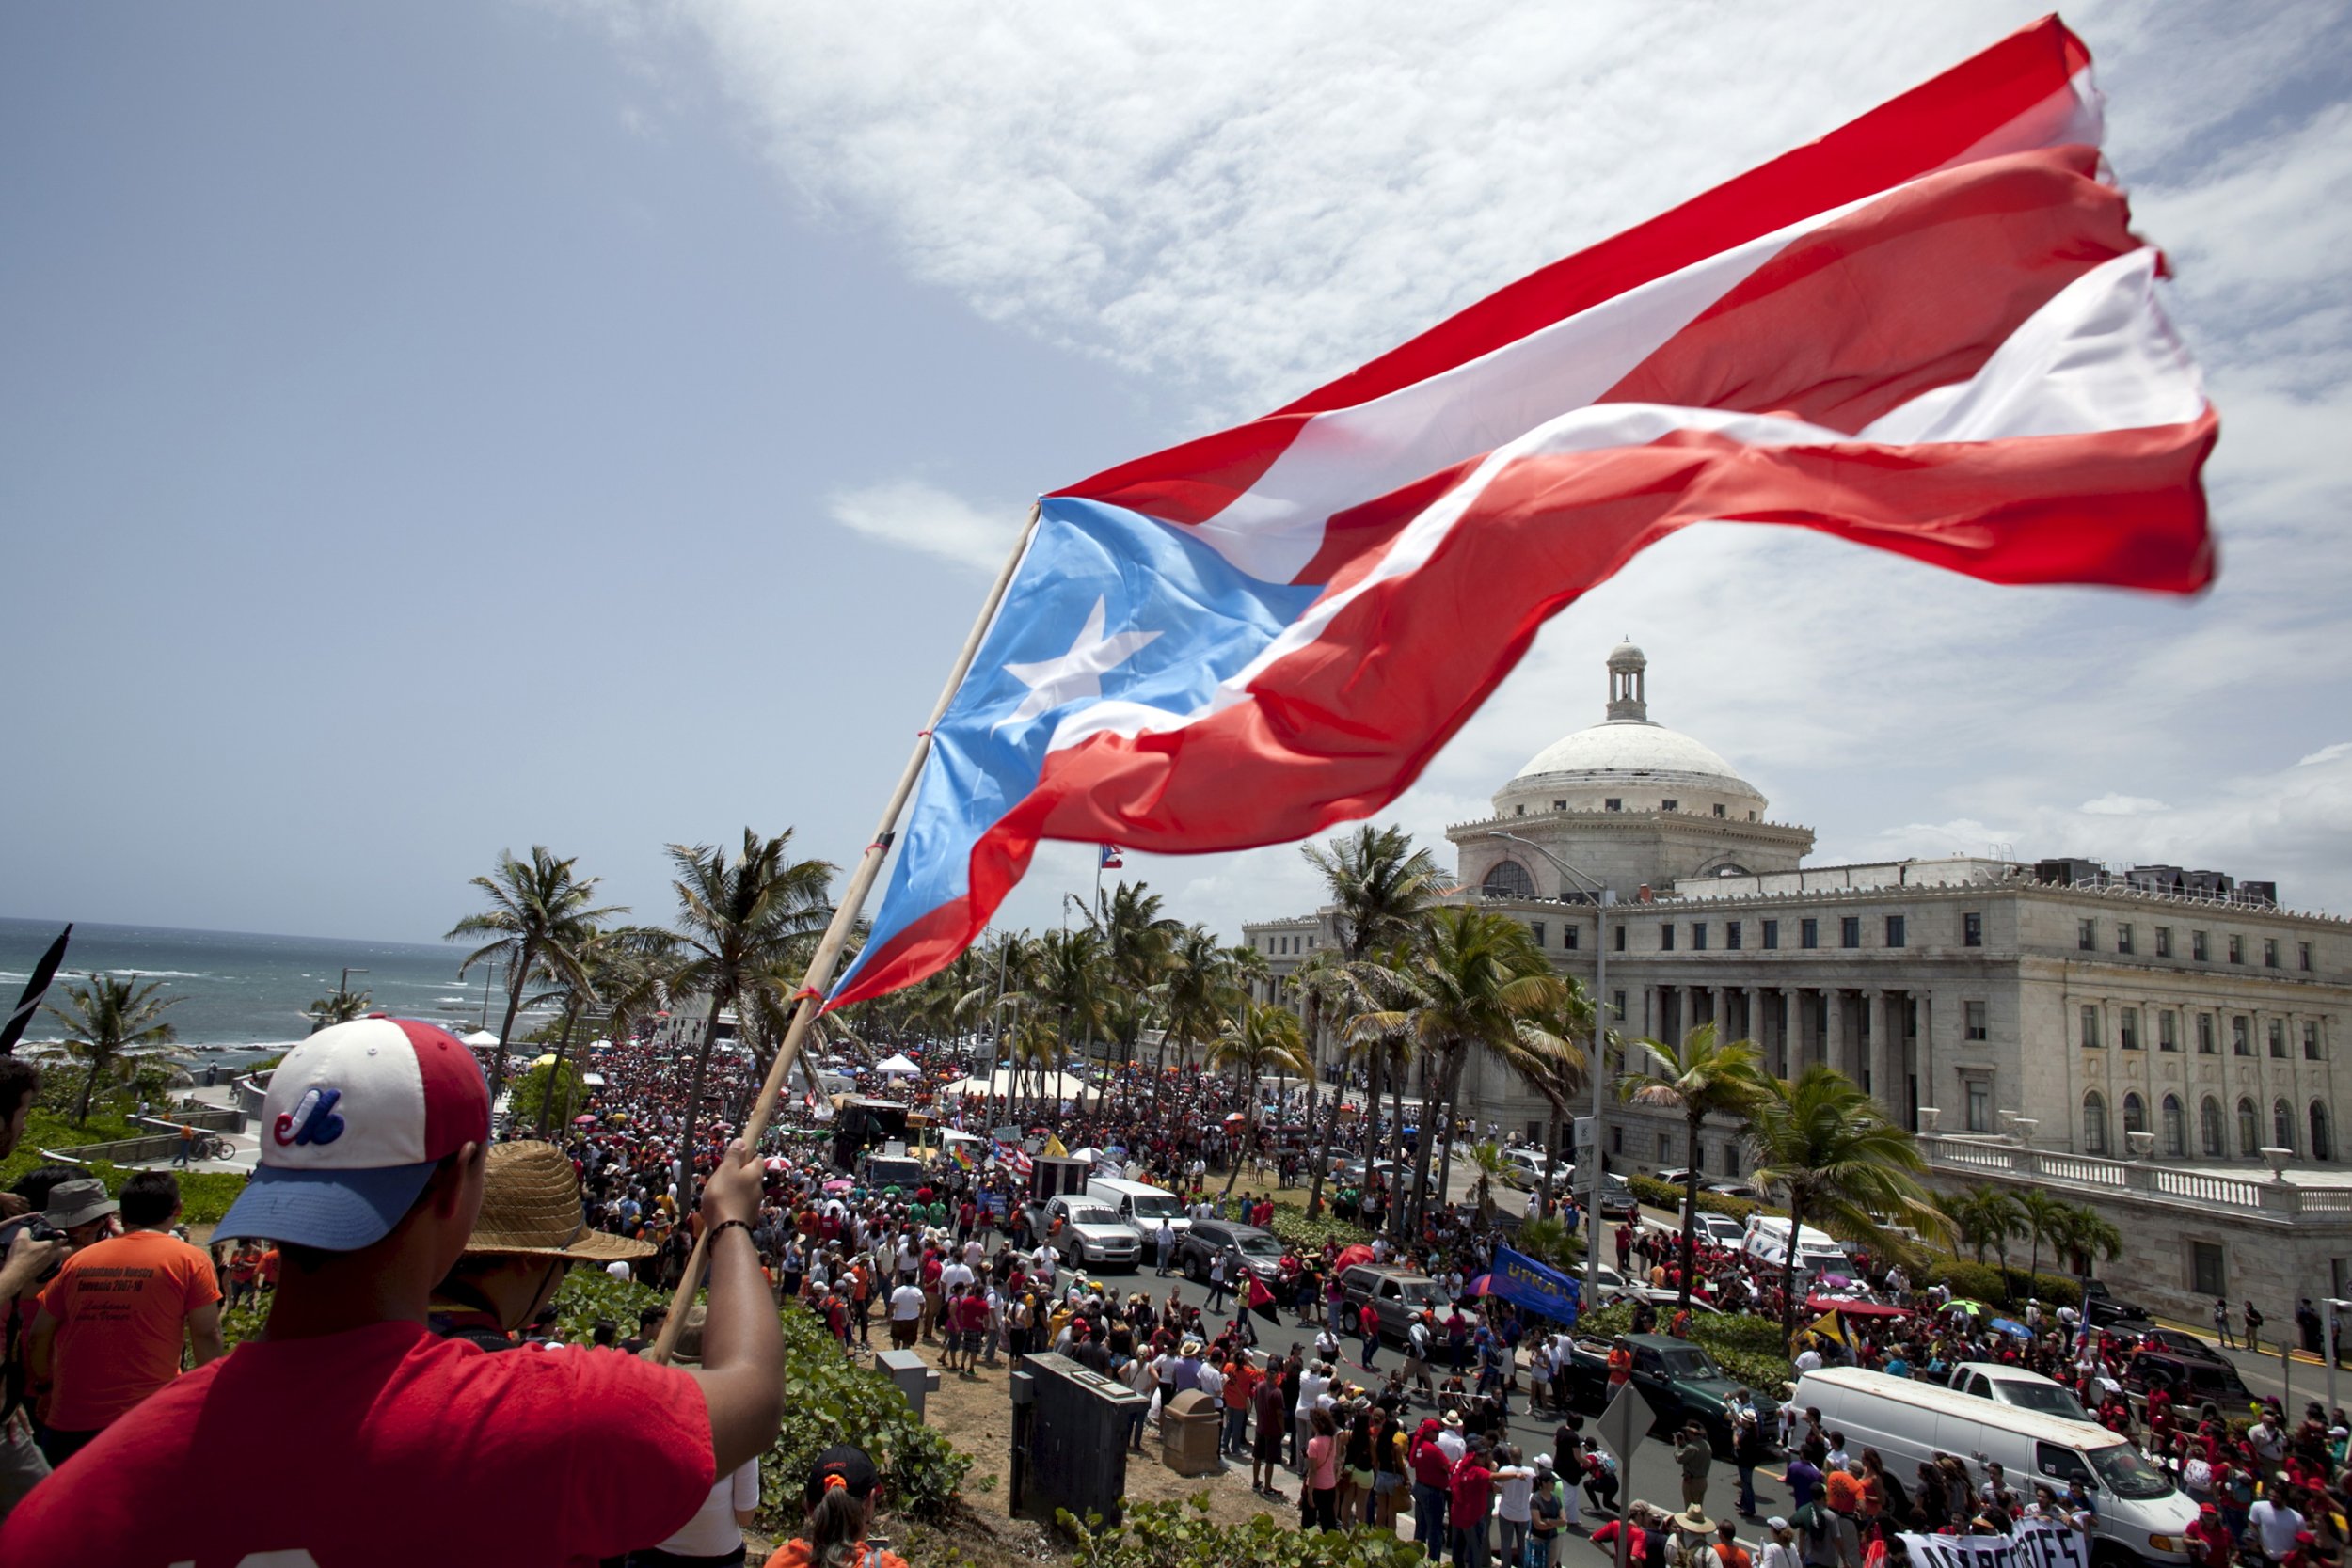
x=1600 y=1054
x=342 y=987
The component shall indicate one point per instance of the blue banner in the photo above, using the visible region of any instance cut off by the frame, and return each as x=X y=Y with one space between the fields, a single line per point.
x=1523 y=1281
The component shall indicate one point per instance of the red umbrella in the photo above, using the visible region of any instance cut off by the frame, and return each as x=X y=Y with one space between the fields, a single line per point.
x=1351 y=1256
x=582 y=1121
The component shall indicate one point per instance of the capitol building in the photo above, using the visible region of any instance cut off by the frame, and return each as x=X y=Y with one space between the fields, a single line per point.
x=2166 y=1042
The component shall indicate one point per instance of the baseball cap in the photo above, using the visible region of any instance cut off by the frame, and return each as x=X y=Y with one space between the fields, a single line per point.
x=356 y=1119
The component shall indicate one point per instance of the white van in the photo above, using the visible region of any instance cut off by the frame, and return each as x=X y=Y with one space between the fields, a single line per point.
x=2139 y=1509
x=1142 y=1206
x=1767 y=1241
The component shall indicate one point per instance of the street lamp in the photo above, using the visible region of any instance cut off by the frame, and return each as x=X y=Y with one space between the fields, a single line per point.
x=342 y=987
x=1604 y=898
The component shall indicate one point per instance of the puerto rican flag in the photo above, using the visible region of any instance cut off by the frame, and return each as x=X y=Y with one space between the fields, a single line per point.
x=1932 y=331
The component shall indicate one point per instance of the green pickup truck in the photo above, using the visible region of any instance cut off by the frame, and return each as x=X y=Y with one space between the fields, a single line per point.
x=1679 y=1379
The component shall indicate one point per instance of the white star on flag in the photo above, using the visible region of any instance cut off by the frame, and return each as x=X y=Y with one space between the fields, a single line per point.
x=1076 y=674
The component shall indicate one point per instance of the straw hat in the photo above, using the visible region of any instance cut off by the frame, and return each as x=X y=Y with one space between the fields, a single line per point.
x=531 y=1208
x=1695 y=1520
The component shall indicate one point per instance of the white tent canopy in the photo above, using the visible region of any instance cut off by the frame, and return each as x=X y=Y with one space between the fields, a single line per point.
x=481 y=1036
x=898 y=1067
x=1058 y=1086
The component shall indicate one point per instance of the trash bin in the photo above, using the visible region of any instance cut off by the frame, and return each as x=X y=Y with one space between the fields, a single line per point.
x=1188 y=1432
x=912 y=1373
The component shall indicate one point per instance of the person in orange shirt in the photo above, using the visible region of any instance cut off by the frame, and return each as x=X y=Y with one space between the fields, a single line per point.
x=1241 y=1382
x=841 y=1492
x=110 y=1324
x=1620 y=1362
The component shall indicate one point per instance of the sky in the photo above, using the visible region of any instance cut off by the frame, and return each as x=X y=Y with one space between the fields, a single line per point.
x=426 y=431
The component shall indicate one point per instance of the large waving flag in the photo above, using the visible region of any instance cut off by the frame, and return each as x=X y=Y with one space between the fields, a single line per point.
x=1932 y=331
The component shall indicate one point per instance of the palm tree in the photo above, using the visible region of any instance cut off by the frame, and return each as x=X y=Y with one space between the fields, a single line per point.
x=1381 y=888
x=1487 y=1155
x=1069 y=979
x=1475 y=981
x=538 y=916
x=110 y=1019
x=340 y=1006
x=739 y=924
x=1263 y=1037
x=2085 y=1238
x=1199 y=990
x=1981 y=1217
x=1827 y=1147
x=1705 y=1075
x=2042 y=1216
x=1321 y=986
x=1562 y=1080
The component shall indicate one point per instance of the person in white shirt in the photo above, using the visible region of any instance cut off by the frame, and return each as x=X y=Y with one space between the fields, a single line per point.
x=954 y=1274
x=973 y=1253
x=1141 y=1378
x=1514 y=1484
x=1809 y=1360
x=716 y=1531
x=2276 y=1524
x=1212 y=1383
x=906 y=1315
x=1041 y=1263
x=1450 y=1441
x=1166 y=1241
x=1780 y=1546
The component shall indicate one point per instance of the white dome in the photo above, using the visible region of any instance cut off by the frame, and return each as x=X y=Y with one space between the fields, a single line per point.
x=1623 y=751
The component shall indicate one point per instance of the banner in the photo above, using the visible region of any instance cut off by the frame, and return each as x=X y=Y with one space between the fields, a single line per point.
x=1524 y=1282
x=2037 y=1544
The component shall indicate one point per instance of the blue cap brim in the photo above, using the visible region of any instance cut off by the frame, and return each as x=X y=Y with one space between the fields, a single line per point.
x=335 y=1210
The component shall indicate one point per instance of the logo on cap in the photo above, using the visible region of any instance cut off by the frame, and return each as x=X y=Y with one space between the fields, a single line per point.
x=312 y=1121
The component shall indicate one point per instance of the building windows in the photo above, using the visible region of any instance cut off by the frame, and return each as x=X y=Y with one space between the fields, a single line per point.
x=1731 y=935
x=2210 y=1139
x=2281 y=1124
x=2086 y=934
x=2278 y=1039
x=1621 y=937
x=1559 y=805
x=2172 y=1126
x=1719 y=811
x=2241 y=1036
x=1665 y=1149
x=2204 y=1034
x=2167 y=1031
x=1666 y=937
x=2092 y=1036
x=1613 y=803
x=2206 y=1275
x=2127 y=1028
x=1570 y=936
x=1894 y=930
x=1698 y=936
x=1808 y=932
x=2134 y=1114
x=1850 y=931
x=2164 y=941
x=2094 y=1123
x=2123 y=938
x=2197 y=948
x=1972 y=929
x=1616 y=1140
x=2237 y=948
x=2270 y=952
x=1771 y=934
x=1980 y=1102
x=2310 y=1043
x=1973 y=1021
x=2322 y=1136
x=1508 y=878
x=1518 y=809
x=1618 y=1007
x=1535 y=929
x=2303 y=956
x=2249 y=1137
x=1669 y=806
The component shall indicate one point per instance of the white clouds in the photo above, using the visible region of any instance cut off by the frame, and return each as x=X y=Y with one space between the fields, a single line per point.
x=914 y=515
x=1237 y=201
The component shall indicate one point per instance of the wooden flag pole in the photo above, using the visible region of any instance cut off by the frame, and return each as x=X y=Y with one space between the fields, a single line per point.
x=821 y=964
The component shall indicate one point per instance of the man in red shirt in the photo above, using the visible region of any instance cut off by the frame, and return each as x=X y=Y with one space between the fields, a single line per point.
x=111 y=1323
x=1472 y=1499
x=373 y=1144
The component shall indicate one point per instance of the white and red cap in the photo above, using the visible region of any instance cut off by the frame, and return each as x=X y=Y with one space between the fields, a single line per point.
x=356 y=1118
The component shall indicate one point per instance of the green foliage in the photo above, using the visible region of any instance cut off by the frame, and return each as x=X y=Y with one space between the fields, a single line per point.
x=1306 y=1237
x=205 y=1195
x=830 y=1399
x=1666 y=1196
x=527 y=1092
x=1747 y=1347
x=589 y=1294
x=1983 y=1282
x=1170 y=1534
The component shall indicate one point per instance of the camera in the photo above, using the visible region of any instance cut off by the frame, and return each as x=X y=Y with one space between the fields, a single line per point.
x=42 y=1230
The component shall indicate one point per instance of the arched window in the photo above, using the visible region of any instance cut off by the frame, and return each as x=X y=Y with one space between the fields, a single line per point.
x=2175 y=1127
x=2134 y=1112
x=1508 y=880
x=2211 y=1141
x=2094 y=1123
x=2282 y=1124
x=2250 y=1132
x=2322 y=1138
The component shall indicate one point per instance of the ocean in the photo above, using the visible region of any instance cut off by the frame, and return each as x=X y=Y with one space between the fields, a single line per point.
x=242 y=993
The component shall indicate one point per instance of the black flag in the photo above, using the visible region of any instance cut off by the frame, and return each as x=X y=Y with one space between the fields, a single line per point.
x=21 y=1016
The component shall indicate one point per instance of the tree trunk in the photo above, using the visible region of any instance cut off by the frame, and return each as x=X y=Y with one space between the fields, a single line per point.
x=1690 y=1211
x=694 y=1106
x=1372 y=1121
x=1322 y=1159
x=97 y=1059
x=1551 y=1161
x=1788 y=1267
x=506 y=1026
x=1428 y=1132
x=1445 y=1132
x=562 y=1048
x=1248 y=1134
x=1396 y=1138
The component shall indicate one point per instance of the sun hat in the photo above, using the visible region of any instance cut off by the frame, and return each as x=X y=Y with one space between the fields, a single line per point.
x=356 y=1119
x=1693 y=1519
x=1454 y=1419
x=78 y=1202
x=531 y=1208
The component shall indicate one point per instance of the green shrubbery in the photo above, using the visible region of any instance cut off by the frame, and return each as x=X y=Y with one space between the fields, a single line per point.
x=1983 y=1282
x=205 y=1195
x=1747 y=1347
x=1181 y=1535
x=1666 y=1196
x=1306 y=1236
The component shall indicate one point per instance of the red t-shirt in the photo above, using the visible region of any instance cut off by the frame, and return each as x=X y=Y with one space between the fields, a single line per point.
x=383 y=1444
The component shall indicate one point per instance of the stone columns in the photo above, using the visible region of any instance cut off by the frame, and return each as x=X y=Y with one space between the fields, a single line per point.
x=1751 y=998
x=1887 y=1049
x=1833 y=1028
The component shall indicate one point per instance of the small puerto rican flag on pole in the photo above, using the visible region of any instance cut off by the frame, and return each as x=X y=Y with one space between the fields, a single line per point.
x=1111 y=860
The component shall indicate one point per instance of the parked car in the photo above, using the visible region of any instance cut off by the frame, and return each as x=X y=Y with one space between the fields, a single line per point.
x=1090 y=1232
x=2014 y=1386
x=1617 y=1201
x=1721 y=1229
x=1678 y=1379
x=1260 y=1251
x=2104 y=1307
x=1732 y=1189
x=1399 y=1295
x=2208 y=1387
x=2181 y=1342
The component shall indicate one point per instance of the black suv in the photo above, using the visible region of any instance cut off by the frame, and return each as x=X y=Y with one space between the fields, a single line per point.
x=2207 y=1387
x=1196 y=1249
x=2104 y=1307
